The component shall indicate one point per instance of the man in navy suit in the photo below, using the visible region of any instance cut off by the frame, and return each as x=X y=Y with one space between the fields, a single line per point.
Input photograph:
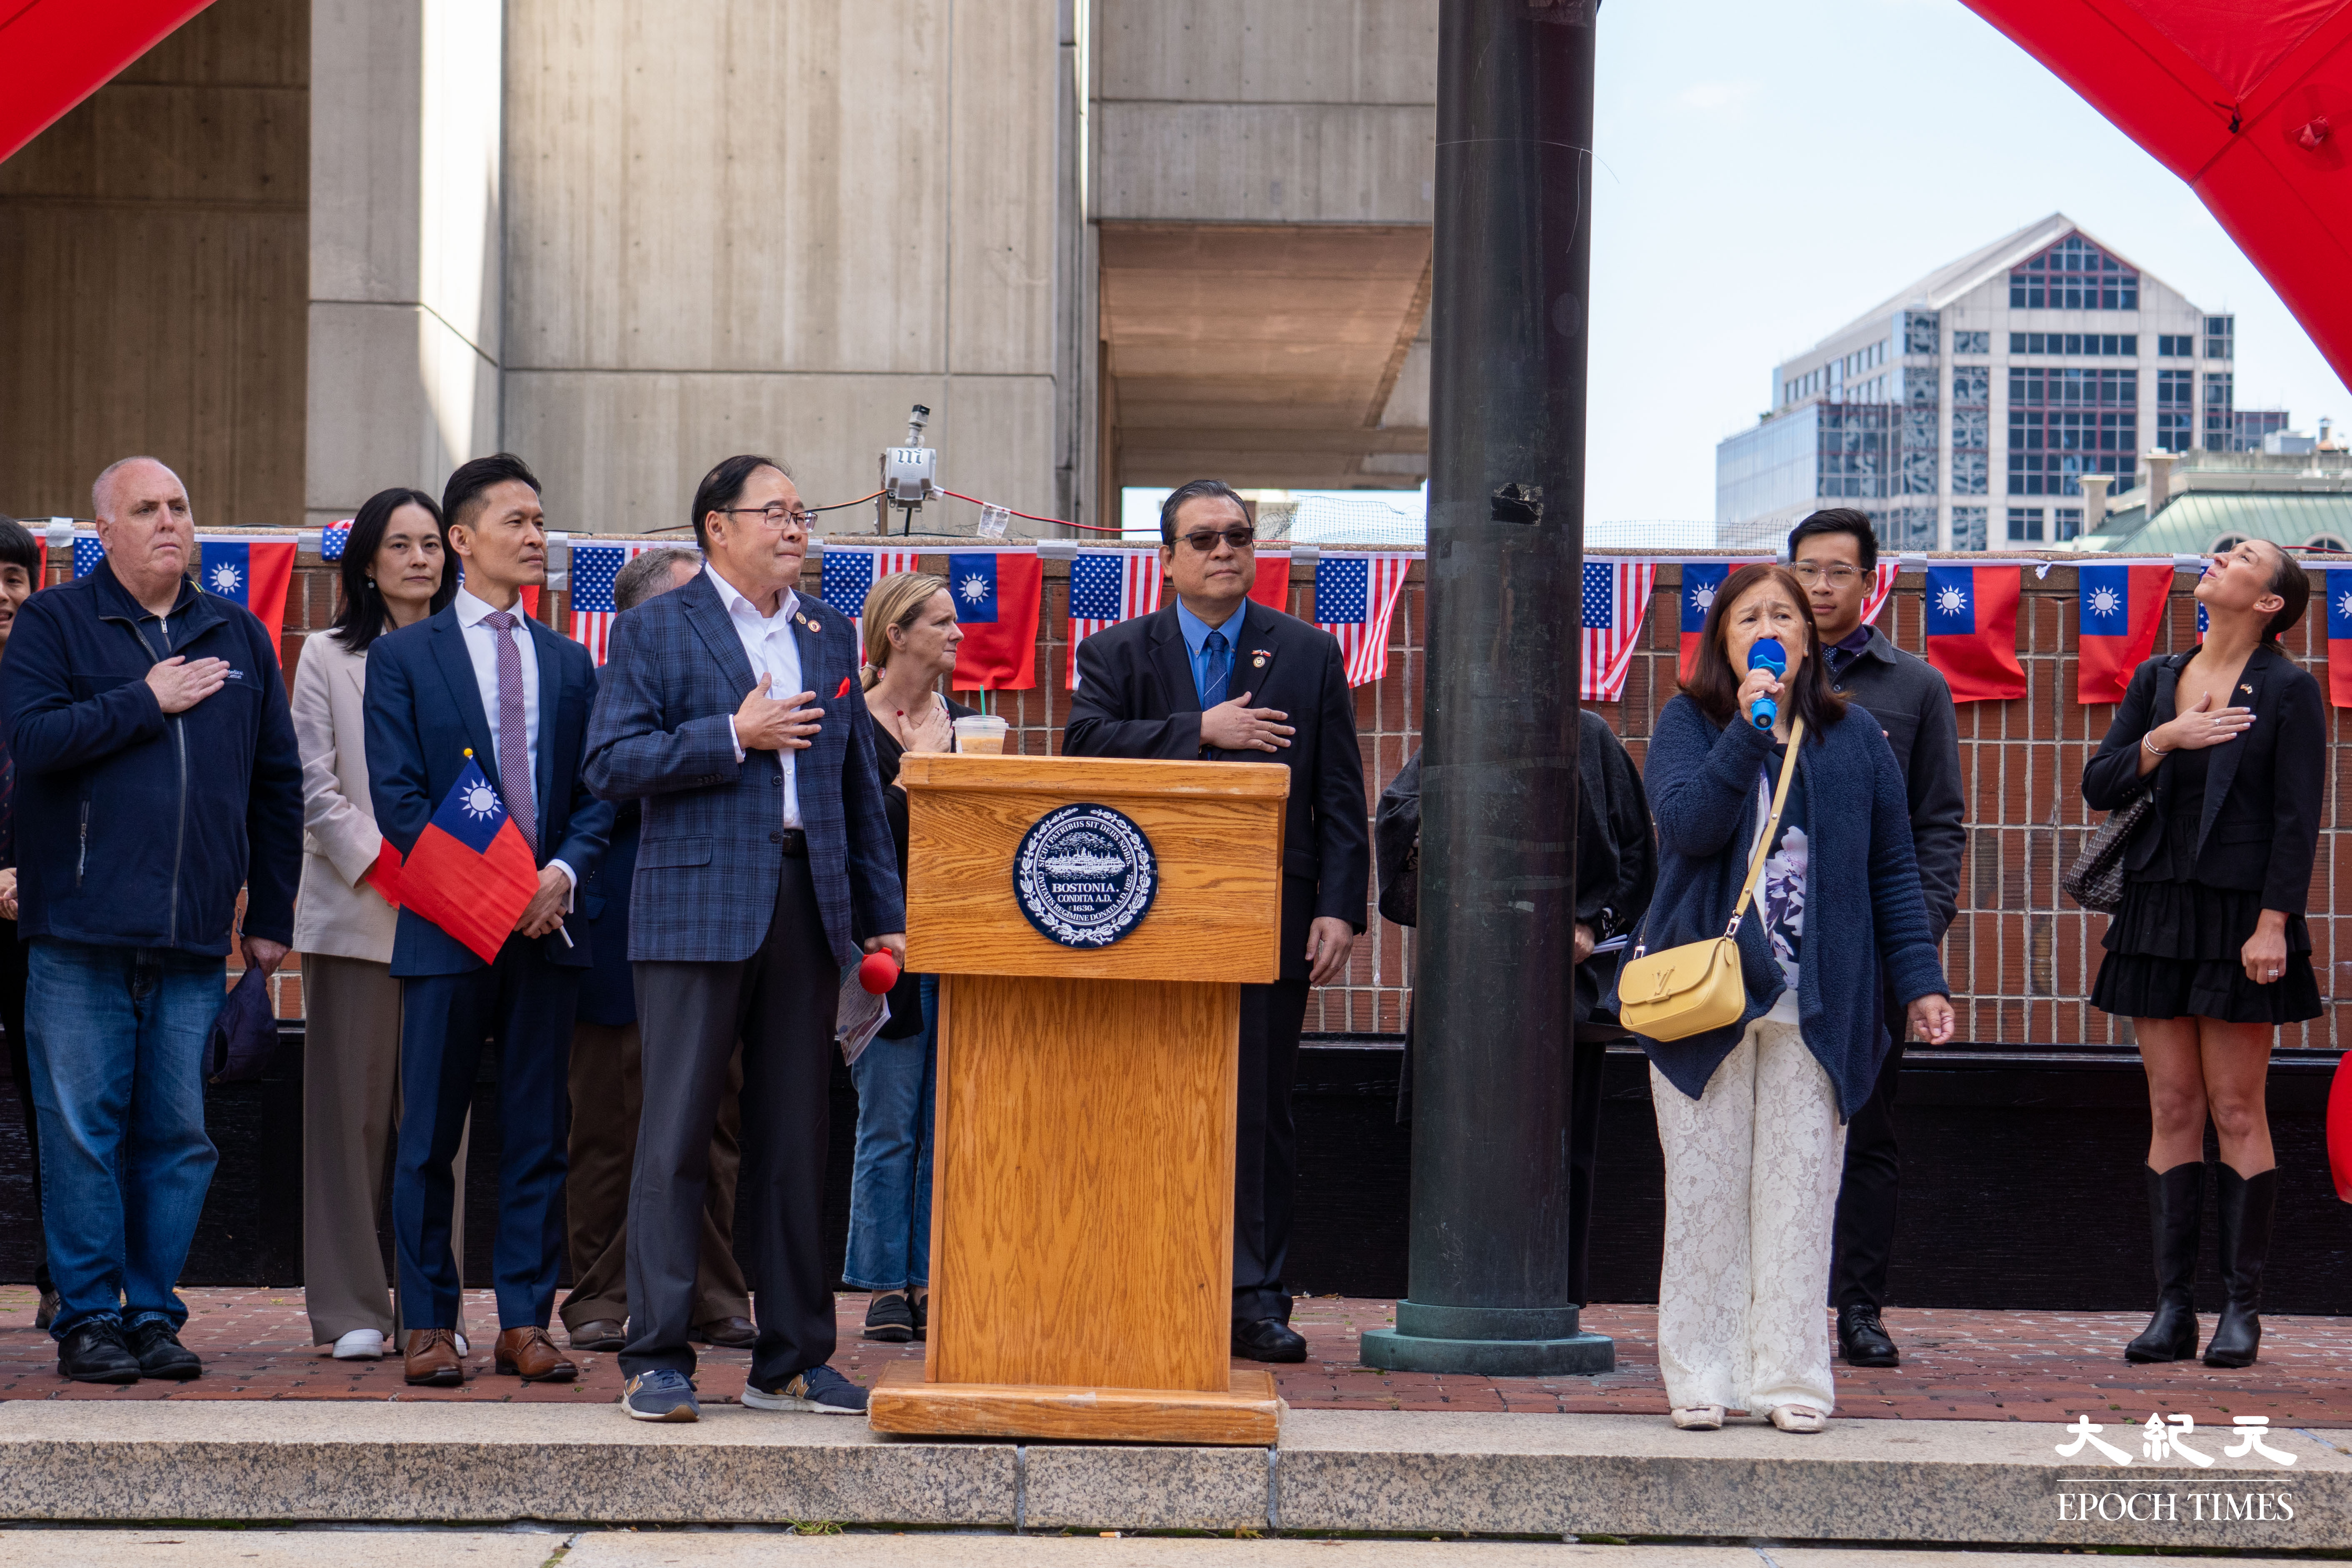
x=1217 y=676
x=482 y=676
x=730 y=708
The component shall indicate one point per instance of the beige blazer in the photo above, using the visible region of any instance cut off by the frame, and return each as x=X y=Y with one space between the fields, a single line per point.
x=336 y=912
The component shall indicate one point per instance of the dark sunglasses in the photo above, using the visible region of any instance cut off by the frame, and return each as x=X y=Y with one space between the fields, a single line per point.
x=1203 y=540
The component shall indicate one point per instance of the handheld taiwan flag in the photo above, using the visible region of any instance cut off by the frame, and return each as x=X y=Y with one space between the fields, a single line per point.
x=1271 y=586
x=997 y=594
x=1971 y=613
x=1616 y=601
x=253 y=573
x=846 y=575
x=2339 y=636
x=470 y=872
x=1108 y=586
x=1355 y=599
x=2120 y=608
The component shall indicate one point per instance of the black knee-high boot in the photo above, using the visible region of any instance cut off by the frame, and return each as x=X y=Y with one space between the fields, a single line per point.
x=2246 y=1204
x=2175 y=1199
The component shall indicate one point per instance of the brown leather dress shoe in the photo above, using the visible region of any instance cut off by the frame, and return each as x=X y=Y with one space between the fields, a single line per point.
x=603 y=1334
x=432 y=1358
x=531 y=1355
x=734 y=1333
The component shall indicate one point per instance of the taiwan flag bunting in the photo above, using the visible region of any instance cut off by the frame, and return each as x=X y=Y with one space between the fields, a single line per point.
x=1616 y=602
x=1700 y=581
x=1355 y=598
x=996 y=594
x=848 y=574
x=1882 y=585
x=1971 y=614
x=2120 y=609
x=1272 y=585
x=1108 y=586
x=2339 y=636
x=470 y=872
x=595 y=568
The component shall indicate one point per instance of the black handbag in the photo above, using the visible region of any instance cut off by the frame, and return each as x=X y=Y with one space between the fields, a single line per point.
x=2095 y=880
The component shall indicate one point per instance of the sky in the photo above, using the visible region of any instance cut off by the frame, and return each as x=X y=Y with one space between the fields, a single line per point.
x=1768 y=172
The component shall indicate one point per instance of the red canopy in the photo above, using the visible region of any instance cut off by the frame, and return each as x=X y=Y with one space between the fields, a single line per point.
x=54 y=53
x=2248 y=101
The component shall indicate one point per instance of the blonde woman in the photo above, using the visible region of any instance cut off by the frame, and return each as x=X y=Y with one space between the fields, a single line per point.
x=910 y=648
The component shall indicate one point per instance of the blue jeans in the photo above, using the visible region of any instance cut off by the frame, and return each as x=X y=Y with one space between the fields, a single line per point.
x=116 y=1041
x=890 y=1187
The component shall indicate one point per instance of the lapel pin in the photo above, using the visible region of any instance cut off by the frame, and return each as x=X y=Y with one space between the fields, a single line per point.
x=2247 y=690
x=1257 y=658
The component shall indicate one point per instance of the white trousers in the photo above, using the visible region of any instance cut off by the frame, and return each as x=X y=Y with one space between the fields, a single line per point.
x=1752 y=1173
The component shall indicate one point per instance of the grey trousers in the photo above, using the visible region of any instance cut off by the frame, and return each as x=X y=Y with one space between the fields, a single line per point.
x=350 y=1111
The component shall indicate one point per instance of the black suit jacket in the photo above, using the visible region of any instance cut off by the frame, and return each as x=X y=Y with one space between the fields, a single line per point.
x=2262 y=791
x=1135 y=699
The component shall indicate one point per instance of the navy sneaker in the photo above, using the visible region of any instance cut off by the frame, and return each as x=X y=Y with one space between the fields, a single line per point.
x=820 y=1390
x=660 y=1395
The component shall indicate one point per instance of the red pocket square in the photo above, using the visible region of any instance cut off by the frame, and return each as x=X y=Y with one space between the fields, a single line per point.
x=845 y=689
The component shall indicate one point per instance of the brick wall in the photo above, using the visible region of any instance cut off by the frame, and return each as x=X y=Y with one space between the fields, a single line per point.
x=2020 y=956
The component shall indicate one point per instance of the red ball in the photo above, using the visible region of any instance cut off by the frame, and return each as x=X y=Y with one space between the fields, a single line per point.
x=878 y=972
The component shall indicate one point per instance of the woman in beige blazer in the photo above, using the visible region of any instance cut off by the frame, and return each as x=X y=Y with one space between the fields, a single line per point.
x=395 y=571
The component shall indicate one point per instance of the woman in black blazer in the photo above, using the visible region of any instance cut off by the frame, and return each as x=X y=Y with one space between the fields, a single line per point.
x=2208 y=954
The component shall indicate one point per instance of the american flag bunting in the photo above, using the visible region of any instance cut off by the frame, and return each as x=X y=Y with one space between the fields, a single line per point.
x=594 y=569
x=1355 y=598
x=1108 y=586
x=849 y=574
x=1616 y=602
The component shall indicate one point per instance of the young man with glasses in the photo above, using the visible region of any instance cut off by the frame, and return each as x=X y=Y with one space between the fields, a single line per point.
x=1214 y=676
x=1835 y=554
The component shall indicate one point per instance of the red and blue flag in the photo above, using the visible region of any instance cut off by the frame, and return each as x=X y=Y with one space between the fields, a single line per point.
x=1355 y=600
x=1971 y=615
x=1108 y=586
x=2339 y=636
x=2120 y=608
x=1702 y=579
x=996 y=594
x=470 y=872
x=1615 y=602
x=254 y=572
x=847 y=576
x=1271 y=585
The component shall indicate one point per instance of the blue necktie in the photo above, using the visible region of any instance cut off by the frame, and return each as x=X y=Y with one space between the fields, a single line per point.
x=1220 y=669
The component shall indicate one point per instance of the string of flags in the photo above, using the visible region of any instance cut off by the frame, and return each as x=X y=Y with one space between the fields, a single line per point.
x=252 y=570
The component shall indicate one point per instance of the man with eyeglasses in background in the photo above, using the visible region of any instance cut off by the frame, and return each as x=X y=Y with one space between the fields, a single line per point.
x=1835 y=554
x=1215 y=676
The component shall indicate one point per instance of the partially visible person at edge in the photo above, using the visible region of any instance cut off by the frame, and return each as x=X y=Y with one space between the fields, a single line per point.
x=2209 y=953
x=20 y=574
x=727 y=710
x=1752 y=1115
x=396 y=570
x=608 y=1090
x=156 y=774
x=1834 y=555
x=1217 y=676
x=1616 y=866
x=482 y=680
x=910 y=646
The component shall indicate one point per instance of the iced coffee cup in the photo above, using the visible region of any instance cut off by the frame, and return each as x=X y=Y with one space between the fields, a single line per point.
x=980 y=732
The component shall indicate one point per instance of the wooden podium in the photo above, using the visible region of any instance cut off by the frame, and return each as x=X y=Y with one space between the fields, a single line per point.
x=1082 y=1186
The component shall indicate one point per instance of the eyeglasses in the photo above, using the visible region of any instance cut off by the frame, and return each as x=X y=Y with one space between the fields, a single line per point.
x=1808 y=574
x=776 y=516
x=1202 y=541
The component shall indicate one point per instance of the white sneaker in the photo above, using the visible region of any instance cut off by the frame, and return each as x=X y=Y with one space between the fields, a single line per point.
x=360 y=1344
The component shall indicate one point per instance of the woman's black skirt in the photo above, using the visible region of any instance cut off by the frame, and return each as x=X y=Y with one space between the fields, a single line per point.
x=2172 y=952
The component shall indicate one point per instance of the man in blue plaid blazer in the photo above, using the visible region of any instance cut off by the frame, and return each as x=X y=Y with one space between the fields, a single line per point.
x=730 y=708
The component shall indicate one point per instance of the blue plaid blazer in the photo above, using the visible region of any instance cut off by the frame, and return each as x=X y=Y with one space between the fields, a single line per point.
x=711 y=850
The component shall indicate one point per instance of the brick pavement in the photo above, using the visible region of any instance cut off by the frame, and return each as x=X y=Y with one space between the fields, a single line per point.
x=1972 y=1366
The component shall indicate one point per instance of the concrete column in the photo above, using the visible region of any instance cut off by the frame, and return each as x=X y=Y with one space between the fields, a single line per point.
x=406 y=268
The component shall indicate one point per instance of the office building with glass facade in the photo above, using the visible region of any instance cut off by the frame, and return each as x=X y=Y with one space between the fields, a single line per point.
x=1962 y=412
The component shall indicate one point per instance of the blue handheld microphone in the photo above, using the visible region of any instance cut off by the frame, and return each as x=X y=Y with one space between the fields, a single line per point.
x=1768 y=655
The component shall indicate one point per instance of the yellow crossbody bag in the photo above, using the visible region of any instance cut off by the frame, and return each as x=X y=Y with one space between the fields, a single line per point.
x=1696 y=987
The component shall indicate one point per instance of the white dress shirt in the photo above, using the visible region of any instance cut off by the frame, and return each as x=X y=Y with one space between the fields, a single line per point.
x=770 y=646
x=482 y=648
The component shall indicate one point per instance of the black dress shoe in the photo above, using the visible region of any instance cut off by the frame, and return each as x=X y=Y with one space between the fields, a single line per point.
x=728 y=1333
x=161 y=1353
x=1863 y=1340
x=1267 y=1339
x=94 y=1352
x=890 y=1318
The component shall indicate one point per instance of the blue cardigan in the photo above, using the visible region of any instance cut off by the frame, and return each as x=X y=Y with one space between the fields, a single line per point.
x=1701 y=778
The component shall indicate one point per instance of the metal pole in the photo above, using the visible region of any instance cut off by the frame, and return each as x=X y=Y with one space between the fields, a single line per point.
x=1494 y=1024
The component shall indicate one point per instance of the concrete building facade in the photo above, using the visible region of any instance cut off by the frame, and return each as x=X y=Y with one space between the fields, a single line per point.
x=309 y=248
x=1963 y=411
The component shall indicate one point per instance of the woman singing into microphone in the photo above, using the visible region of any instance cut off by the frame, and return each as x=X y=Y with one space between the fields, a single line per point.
x=2208 y=954
x=1752 y=1116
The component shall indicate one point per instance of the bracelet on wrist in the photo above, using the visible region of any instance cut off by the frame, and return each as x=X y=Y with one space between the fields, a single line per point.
x=2147 y=743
